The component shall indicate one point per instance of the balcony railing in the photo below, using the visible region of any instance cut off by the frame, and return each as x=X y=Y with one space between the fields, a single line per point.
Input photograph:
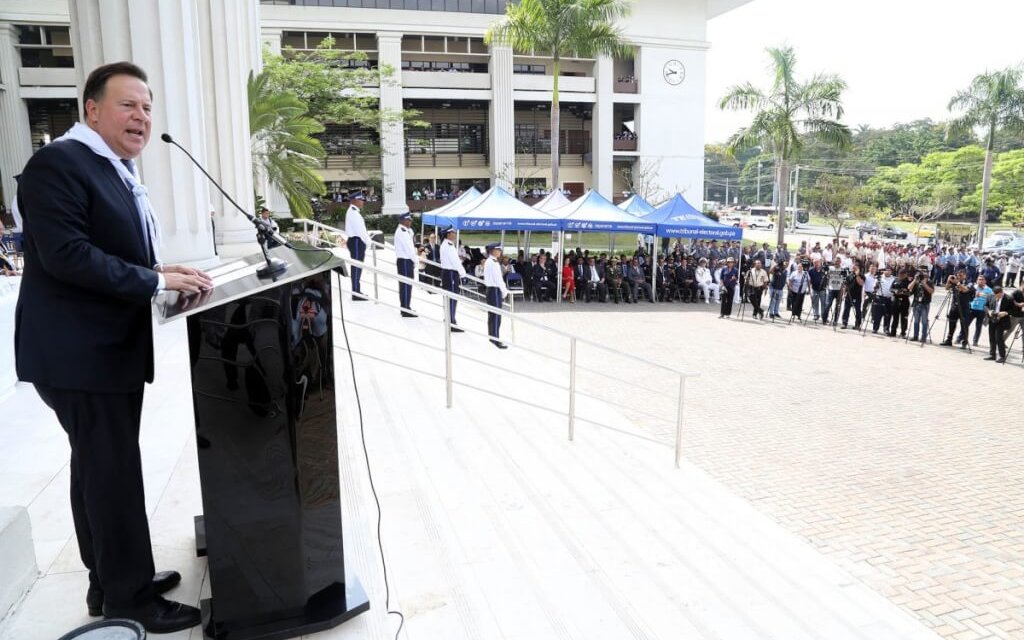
x=349 y=162
x=446 y=160
x=627 y=86
x=624 y=144
x=544 y=160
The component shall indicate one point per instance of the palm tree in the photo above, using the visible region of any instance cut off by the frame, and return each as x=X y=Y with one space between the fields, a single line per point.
x=786 y=112
x=994 y=102
x=284 y=151
x=561 y=28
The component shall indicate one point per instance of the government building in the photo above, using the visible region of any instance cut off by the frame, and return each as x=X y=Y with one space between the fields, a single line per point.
x=487 y=108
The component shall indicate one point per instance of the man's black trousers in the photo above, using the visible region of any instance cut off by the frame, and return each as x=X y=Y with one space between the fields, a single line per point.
x=108 y=503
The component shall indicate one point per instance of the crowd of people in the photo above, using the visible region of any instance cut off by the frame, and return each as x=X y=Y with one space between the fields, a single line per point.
x=874 y=286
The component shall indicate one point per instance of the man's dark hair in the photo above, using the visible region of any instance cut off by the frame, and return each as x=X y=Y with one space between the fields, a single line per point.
x=96 y=84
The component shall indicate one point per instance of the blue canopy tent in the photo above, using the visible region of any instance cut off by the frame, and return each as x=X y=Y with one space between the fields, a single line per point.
x=636 y=205
x=677 y=218
x=594 y=212
x=439 y=216
x=499 y=210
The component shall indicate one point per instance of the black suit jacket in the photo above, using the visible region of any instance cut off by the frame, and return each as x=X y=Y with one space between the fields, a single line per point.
x=1004 y=304
x=83 y=319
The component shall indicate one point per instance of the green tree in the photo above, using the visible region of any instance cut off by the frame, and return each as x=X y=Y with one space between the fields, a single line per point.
x=837 y=199
x=284 y=151
x=995 y=103
x=561 y=28
x=1007 y=190
x=786 y=110
x=907 y=142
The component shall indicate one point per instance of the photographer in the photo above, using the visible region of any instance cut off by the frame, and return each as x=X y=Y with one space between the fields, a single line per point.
x=900 y=304
x=959 y=307
x=776 y=285
x=756 y=280
x=835 y=279
x=881 y=311
x=799 y=285
x=854 y=288
x=981 y=294
x=921 y=291
x=870 y=285
x=817 y=277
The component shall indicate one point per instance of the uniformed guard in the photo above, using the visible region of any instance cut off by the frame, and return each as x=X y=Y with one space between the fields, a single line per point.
x=405 y=252
x=452 y=272
x=358 y=238
x=496 y=292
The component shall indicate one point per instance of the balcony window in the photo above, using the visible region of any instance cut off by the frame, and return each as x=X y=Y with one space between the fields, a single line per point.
x=45 y=47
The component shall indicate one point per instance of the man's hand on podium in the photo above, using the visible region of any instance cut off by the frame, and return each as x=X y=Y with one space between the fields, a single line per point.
x=178 y=277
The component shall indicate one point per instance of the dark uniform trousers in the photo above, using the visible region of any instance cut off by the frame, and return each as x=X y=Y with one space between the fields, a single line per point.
x=108 y=502
x=356 y=249
x=406 y=269
x=493 y=319
x=451 y=281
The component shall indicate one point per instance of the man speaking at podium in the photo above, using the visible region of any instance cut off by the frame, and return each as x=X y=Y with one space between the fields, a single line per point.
x=84 y=334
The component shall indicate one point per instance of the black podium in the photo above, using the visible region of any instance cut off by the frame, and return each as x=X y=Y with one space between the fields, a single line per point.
x=262 y=364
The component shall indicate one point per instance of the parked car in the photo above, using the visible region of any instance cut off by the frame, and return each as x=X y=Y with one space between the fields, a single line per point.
x=926 y=231
x=894 y=233
x=730 y=219
x=759 y=222
x=867 y=227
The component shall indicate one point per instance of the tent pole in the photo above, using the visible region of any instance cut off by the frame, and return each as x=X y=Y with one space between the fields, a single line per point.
x=653 y=259
x=558 y=262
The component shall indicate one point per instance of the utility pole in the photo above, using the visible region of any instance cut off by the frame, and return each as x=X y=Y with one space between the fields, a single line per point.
x=727 y=192
x=758 y=182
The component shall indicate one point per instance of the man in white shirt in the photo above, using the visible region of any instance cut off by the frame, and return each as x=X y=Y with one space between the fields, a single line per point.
x=705 y=282
x=358 y=239
x=882 y=310
x=405 y=252
x=496 y=292
x=452 y=273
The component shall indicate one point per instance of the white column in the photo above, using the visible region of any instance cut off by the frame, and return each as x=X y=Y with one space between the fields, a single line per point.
x=162 y=38
x=392 y=136
x=601 y=157
x=230 y=50
x=16 y=148
x=501 y=123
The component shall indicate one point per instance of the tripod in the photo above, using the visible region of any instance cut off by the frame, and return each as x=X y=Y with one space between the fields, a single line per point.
x=942 y=305
x=1009 y=349
x=839 y=305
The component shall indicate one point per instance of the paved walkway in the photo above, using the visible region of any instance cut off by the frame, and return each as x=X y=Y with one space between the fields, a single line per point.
x=495 y=526
x=901 y=463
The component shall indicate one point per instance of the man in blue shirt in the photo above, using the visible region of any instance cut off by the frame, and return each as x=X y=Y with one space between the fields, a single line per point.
x=982 y=292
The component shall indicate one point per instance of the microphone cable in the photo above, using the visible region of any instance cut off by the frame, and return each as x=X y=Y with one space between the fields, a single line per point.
x=369 y=472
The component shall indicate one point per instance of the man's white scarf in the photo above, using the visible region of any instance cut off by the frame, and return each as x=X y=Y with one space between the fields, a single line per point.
x=151 y=227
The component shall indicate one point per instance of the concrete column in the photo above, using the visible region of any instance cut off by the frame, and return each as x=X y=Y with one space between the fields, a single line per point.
x=501 y=120
x=601 y=155
x=16 y=148
x=230 y=49
x=163 y=39
x=392 y=135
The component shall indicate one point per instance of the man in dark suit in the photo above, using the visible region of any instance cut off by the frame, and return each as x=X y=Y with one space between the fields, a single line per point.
x=544 y=286
x=83 y=333
x=999 y=310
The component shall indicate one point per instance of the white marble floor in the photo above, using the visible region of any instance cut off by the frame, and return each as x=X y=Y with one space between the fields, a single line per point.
x=495 y=526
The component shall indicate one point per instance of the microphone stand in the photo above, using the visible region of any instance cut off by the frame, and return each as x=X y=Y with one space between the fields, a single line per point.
x=264 y=232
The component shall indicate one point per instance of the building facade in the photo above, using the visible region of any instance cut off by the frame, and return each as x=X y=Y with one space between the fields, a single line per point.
x=487 y=108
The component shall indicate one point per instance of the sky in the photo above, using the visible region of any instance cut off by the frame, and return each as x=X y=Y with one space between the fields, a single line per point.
x=902 y=60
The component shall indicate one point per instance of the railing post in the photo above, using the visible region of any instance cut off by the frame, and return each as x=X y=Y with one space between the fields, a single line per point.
x=512 y=315
x=679 y=420
x=447 y=350
x=373 y=255
x=572 y=388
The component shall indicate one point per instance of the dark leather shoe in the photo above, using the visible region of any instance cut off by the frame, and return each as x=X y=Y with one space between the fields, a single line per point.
x=159 y=616
x=162 y=583
x=456 y=329
x=499 y=344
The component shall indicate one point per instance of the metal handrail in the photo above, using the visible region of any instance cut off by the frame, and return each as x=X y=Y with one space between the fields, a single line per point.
x=306 y=223
x=574 y=341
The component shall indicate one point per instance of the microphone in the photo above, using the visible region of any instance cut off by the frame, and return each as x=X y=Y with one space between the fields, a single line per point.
x=263 y=230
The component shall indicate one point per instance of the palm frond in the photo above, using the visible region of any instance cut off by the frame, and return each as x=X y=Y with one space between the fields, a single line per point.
x=744 y=97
